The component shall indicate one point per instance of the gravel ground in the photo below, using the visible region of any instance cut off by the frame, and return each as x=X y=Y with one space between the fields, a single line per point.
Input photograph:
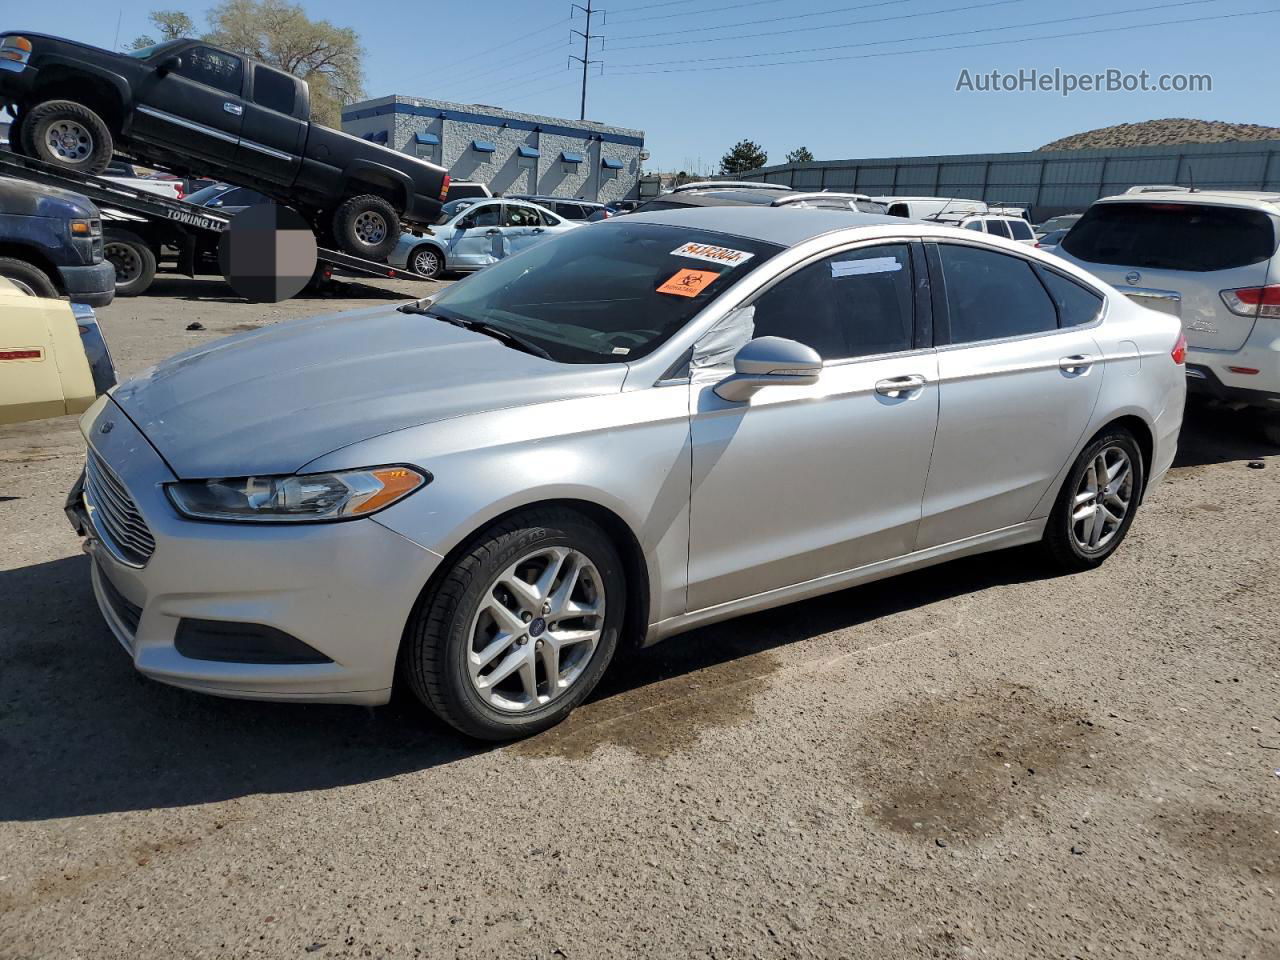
x=978 y=760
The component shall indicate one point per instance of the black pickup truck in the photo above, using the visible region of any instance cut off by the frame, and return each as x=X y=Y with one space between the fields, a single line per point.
x=193 y=108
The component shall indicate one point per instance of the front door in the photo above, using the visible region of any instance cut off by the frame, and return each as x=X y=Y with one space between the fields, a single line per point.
x=477 y=237
x=1016 y=392
x=802 y=482
x=196 y=107
x=272 y=136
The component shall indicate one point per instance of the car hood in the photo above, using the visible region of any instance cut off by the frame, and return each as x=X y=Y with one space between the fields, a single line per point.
x=271 y=401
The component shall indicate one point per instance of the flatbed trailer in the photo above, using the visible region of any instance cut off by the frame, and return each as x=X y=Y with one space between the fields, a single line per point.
x=141 y=222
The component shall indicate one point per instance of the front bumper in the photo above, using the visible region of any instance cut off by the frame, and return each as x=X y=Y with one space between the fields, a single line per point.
x=344 y=589
x=94 y=285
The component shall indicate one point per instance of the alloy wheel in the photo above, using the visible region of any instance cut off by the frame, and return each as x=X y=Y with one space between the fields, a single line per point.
x=537 y=628
x=69 y=141
x=426 y=262
x=1103 y=499
x=370 y=227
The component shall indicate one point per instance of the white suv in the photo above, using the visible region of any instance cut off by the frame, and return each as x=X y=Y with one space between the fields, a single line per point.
x=1210 y=257
x=1011 y=228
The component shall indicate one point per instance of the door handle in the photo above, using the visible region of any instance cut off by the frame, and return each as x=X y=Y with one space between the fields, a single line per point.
x=234 y=109
x=492 y=233
x=538 y=230
x=1076 y=364
x=897 y=386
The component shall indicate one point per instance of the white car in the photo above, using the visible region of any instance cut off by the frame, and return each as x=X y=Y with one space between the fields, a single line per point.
x=927 y=208
x=1210 y=258
x=1011 y=228
x=476 y=236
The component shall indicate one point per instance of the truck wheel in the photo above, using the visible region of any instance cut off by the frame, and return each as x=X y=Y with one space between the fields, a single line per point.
x=68 y=135
x=30 y=279
x=134 y=261
x=367 y=226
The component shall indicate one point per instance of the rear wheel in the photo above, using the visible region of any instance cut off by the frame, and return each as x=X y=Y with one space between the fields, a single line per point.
x=1097 y=504
x=29 y=278
x=367 y=226
x=68 y=135
x=522 y=627
x=427 y=261
x=135 y=262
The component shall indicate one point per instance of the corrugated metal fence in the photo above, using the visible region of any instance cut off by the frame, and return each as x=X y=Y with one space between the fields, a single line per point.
x=1051 y=183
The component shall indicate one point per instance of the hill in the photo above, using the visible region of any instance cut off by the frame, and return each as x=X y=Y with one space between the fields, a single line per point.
x=1163 y=133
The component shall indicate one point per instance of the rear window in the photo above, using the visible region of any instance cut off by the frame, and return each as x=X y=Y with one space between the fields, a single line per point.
x=1172 y=236
x=1021 y=229
x=457 y=190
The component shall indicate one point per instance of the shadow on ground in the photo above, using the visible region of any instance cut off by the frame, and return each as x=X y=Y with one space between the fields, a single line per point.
x=212 y=289
x=1219 y=435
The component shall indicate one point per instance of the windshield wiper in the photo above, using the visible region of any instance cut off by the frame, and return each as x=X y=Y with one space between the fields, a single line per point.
x=501 y=334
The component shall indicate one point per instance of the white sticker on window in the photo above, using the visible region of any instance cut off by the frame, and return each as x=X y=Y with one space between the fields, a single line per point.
x=705 y=251
x=858 y=268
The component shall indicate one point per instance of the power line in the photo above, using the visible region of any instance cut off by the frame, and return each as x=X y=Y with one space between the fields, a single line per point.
x=789 y=16
x=693 y=13
x=965 y=46
x=929 y=36
x=825 y=26
x=510 y=84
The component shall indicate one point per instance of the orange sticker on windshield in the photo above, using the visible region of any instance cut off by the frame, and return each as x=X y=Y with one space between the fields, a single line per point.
x=689 y=283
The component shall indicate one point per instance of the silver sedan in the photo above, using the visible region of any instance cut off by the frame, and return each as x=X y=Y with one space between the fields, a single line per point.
x=636 y=428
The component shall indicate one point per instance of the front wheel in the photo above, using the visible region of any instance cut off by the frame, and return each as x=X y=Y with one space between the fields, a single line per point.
x=519 y=631
x=28 y=278
x=68 y=135
x=367 y=226
x=135 y=262
x=427 y=261
x=1097 y=504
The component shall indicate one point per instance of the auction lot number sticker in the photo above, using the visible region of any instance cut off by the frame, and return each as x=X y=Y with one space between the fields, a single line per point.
x=725 y=256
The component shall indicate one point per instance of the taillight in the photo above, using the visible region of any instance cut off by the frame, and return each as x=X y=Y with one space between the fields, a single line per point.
x=181 y=192
x=1253 y=301
x=444 y=189
x=1179 y=353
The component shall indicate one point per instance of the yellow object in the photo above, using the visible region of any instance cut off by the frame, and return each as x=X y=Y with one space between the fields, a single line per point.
x=43 y=370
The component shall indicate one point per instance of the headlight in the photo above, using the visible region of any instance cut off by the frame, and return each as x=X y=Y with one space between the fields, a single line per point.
x=86 y=228
x=297 y=499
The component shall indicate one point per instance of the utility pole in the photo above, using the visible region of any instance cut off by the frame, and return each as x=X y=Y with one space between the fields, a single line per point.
x=586 y=61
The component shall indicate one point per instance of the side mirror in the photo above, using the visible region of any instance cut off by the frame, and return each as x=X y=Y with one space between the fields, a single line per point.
x=769 y=362
x=168 y=65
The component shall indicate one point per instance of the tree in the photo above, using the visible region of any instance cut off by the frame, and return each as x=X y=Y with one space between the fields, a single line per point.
x=171 y=25
x=800 y=155
x=744 y=156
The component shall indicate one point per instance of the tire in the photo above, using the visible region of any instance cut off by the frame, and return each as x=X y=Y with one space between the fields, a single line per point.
x=427 y=261
x=457 y=615
x=30 y=278
x=68 y=135
x=1074 y=545
x=366 y=226
x=1269 y=427
x=134 y=260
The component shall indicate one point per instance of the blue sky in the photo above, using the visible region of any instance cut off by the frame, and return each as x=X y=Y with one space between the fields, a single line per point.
x=872 y=97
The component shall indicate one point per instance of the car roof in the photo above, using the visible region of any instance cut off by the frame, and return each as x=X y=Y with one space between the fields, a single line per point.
x=784 y=226
x=539 y=198
x=1253 y=199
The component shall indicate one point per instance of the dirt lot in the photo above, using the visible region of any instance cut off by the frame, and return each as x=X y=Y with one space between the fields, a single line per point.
x=972 y=761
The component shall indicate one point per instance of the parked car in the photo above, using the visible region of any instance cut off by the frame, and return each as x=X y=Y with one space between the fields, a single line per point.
x=227 y=198
x=51 y=243
x=1051 y=241
x=734 y=195
x=924 y=208
x=1053 y=224
x=1011 y=228
x=481 y=233
x=467 y=190
x=726 y=184
x=830 y=200
x=635 y=428
x=581 y=210
x=118 y=171
x=53 y=358
x=192 y=108
x=1210 y=258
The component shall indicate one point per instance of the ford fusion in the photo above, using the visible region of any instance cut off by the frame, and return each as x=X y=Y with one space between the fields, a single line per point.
x=632 y=429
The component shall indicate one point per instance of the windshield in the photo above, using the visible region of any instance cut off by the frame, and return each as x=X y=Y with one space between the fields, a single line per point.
x=605 y=293
x=205 y=194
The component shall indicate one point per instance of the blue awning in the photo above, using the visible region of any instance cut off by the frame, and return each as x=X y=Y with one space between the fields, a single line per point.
x=529 y=153
x=378 y=136
x=426 y=138
x=568 y=156
x=483 y=146
x=610 y=164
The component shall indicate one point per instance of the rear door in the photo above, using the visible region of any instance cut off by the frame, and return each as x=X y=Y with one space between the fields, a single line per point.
x=196 y=107
x=1195 y=250
x=273 y=134
x=521 y=227
x=1016 y=392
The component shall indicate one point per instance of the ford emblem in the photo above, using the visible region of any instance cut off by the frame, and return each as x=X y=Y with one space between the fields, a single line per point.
x=1133 y=278
x=107 y=427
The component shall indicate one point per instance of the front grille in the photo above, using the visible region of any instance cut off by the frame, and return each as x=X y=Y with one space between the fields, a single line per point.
x=129 y=613
x=114 y=515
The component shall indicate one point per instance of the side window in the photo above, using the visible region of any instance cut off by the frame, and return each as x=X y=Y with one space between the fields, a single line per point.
x=549 y=219
x=1021 y=229
x=1076 y=304
x=273 y=90
x=571 y=211
x=486 y=215
x=899 y=210
x=213 y=68
x=515 y=215
x=853 y=304
x=992 y=295
x=999 y=228
x=974 y=225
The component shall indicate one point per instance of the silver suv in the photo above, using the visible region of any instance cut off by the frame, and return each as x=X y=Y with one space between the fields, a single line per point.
x=1209 y=257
